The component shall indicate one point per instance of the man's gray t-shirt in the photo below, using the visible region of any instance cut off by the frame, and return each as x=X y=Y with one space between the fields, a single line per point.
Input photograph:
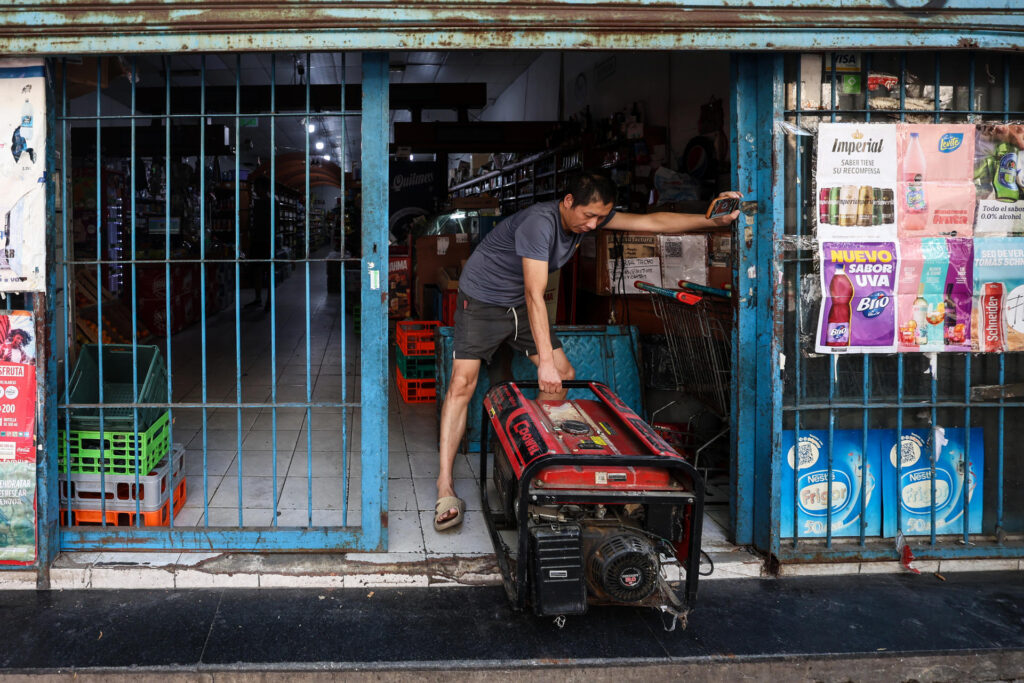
x=494 y=272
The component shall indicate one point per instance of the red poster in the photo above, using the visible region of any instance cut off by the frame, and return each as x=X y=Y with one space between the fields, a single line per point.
x=17 y=438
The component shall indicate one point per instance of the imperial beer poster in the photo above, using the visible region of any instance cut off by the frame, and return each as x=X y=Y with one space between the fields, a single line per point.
x=856 y=181
x=22 y=176
x=998 y=323
x=17 y=438
x=858 y=284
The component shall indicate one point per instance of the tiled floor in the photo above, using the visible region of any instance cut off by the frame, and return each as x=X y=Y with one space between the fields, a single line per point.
x=306 y=453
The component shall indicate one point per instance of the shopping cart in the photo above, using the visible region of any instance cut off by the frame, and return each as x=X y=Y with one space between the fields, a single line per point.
x=698 y=322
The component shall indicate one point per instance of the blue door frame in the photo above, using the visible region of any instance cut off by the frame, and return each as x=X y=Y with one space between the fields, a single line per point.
x=371 y=534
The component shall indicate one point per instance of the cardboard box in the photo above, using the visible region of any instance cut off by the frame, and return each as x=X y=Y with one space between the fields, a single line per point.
x=433 y=252
x=622 y=257
x=399 y=285
x=448 y=281
x=683 y=257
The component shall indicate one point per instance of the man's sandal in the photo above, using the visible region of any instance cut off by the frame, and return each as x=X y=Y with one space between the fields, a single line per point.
x=444 y=505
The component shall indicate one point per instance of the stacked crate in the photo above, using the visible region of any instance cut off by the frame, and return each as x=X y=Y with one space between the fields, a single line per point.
x=90 y=459
x=415 y=367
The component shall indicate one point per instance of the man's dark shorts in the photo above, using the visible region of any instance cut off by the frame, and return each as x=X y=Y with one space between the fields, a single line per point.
x=480 y=328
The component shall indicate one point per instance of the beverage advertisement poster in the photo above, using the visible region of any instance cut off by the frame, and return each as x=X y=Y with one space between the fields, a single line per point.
x=22 y=176
x=999 y=182
x=805 y=484
x=998 y=318
x=858 y=308
x=935 y=294
x=856 y=181
x=912 y=489
x=17 y=438
x=936 y=193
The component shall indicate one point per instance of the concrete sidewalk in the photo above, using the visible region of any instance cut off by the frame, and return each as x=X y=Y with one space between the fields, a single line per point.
x=893 y=627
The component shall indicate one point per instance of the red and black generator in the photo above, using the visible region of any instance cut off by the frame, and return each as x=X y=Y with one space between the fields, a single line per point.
x=597 y=499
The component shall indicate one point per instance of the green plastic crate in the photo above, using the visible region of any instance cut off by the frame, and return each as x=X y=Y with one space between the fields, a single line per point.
x=416 y=367
x=83 y=449
x=118 y=367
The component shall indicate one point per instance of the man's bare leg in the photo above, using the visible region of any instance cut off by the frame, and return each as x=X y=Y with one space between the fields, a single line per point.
x=453 y=424
x=565 y=371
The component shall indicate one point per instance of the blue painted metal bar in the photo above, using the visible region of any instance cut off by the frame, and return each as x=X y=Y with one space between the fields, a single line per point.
x=214 y=539
x=100 y=223
x=1000 y=495
x=135 y=320
x=238 y=297
x=272 y=293
x=341 y=310
x=169 y=356
x=797 y=359
x=64 y=241
x=305 y=251
x=373 y=308
x=748 y=499
x=833 y=360
x=202 y=258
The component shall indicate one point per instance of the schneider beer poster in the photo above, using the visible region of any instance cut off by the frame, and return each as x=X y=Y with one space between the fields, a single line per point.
x=17 y=438
x=920 y=226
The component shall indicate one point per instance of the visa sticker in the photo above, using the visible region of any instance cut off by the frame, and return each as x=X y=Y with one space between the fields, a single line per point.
x=950 y=142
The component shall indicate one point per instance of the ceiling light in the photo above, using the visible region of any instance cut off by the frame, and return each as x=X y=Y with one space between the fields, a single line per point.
x=319 y=145
x=311 y=128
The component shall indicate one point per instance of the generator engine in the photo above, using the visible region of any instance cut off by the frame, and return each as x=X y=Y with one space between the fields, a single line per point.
x=597 y=500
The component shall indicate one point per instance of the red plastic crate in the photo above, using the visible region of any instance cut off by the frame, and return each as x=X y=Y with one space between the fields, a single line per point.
x=448 y=306
x=161 y=517
x=416 y=337
x=416 y=390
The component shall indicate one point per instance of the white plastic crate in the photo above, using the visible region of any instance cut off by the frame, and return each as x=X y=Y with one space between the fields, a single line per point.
x=85 y=491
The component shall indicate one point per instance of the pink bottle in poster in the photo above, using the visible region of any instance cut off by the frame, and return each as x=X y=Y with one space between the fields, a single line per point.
x=840 y=291
x=913 y=176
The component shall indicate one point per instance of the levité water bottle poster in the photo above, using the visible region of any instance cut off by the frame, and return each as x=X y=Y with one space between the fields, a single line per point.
x=856 y=182
x=936 y=193
x=17 y=438
x=858 y=311
x=22 y=176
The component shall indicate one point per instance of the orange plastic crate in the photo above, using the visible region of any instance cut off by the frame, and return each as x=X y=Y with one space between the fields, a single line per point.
x=416 y=390
x=416 y=337
x=161 y=517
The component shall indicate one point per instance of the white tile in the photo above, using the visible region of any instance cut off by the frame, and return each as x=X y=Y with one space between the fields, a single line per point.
x=257 y=492
x=421 y=441
x=819 y=569
x=195 y=578
x=469 y=538
x=323 y=441
x=398 y=465
x=386 y=558
x=404 y=533
x=228 y=517
x=301 y=581
x=194 y=489
x=388 y=580
x=261 y=463
x=734 y=565
x=263 y=440
x=216 y=439
x=401 y=495
x=69 y=578
x=217 y=462
x=287 y=418
x=189 y=517
x=300 y=518
x=467 y=489
x=426 y=464
x=17 y=580
x=979 y=565
x=326 y=492
x=227 y=418
x=131 y=577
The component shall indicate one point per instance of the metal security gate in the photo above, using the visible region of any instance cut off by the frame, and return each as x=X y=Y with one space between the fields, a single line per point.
x=188 y=420
x=858 y=395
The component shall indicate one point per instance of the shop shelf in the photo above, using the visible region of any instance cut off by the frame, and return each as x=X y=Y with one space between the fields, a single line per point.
x=416 y=390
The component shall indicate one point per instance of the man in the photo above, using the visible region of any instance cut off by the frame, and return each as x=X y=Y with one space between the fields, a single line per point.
x=501 y=300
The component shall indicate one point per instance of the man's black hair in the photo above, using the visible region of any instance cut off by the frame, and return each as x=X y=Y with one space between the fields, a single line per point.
x=585 y=188
x=25 y=336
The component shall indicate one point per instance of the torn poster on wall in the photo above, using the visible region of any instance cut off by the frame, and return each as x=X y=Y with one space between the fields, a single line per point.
x=22 y=176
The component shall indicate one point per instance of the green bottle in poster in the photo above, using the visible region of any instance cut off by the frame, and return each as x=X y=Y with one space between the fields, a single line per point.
x=1005 y=180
